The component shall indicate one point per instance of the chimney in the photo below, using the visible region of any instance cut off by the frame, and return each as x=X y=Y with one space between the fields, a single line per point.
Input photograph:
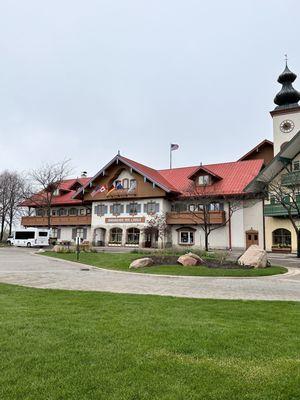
x=83 y=174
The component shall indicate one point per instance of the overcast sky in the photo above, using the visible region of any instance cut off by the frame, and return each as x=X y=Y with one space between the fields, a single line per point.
x=82 y=79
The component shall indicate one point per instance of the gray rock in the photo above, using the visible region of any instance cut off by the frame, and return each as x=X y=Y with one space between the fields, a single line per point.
x=187 y=260
x=255 y=257
x=141 y=263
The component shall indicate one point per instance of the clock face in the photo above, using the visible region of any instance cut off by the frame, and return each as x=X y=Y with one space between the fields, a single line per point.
x=287 y=126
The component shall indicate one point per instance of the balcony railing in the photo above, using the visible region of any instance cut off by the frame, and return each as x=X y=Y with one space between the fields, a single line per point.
x=195 y=218
x=277 y=210
x=291 y=179
x=57 y=220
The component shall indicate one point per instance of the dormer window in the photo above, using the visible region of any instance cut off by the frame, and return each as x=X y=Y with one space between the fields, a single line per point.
x=204 y=180
x=56 y=192
x=296 y=166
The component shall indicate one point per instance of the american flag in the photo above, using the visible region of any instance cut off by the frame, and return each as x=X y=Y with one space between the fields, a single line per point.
x=174 y=146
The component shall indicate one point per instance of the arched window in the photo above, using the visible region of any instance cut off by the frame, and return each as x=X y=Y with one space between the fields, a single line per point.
x=73 y=211
x=282 y=237
x=133 y=236
x=115 y=236
x=62 y=211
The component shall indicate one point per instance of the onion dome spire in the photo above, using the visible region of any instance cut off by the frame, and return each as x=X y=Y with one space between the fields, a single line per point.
x=288 y=96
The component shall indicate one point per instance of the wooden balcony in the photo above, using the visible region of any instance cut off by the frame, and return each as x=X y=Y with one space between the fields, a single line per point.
x=195 y=218
x=75 y=220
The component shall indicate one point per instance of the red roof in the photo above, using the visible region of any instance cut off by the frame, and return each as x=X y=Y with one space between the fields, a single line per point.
x=235 y=176
x=65 y=198
x=151 y=173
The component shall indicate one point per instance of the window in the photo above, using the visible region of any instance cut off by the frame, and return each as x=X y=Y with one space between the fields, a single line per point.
x=272 y=200
x=117 y=209
x=88 y=211
x=200 y=207
x=204 y=180
x=118 y=184
x=296 y=166
x=186 y=237
x=56 y=192
x=115 y=235
x=80 y=233
x=192 y=207
x=216 y=207
x=73 y=211
x=54 y=232
x=125 y=183
x=54 y=212
x=132 y=184
x=133 y=208
x=133 y=236
x=82 y=211
x=24 y=235
x=40 y=212
x=101 y=209
x=151 y=207
x=62 y=212
x=43 y=234
x=282 y=237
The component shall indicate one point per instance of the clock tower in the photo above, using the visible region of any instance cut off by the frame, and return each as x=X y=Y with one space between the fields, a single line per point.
x=286 y=115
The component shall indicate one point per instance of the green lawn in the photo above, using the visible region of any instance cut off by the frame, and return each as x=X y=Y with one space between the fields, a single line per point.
x=121 y=261
x=63 y=345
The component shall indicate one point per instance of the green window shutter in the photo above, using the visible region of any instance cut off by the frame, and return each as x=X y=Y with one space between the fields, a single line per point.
x=145 y=208
x=121 y=208
x=96 y=210
x=128 y=208
x=105 y=209
x=58 y=233
x=138 y=208
x=157 y=207
x=111 y=209
x=74 y=233
x=84 y=233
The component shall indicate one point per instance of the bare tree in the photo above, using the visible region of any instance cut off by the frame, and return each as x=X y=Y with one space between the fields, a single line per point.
x=46 y=180
x=157 y=225
x=202 y=214
x=11 y=194
x=286 y=194
x=4 y=201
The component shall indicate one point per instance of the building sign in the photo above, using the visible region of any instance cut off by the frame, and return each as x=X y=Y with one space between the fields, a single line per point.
x=125 y=220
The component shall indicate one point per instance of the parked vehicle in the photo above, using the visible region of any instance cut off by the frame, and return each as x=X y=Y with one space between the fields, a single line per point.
x=30 y=237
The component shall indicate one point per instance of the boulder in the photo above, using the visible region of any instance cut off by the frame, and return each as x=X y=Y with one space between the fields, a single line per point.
x=198 y=258
x=58 y=248
x=255 y=257
x=187 y=260
x=141 y=263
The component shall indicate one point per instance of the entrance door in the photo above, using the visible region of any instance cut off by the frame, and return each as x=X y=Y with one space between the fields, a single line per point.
x=251 y=238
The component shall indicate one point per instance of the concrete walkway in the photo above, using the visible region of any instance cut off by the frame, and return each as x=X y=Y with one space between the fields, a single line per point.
x=23 y=267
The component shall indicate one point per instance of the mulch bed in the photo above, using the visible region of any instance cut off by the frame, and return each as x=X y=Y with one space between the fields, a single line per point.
x=172 y=260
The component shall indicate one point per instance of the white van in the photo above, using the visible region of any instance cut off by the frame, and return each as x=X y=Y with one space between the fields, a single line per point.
x=30 y=237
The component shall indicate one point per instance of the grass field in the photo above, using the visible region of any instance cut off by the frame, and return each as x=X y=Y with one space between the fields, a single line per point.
x=86 y=345
x=121 y=261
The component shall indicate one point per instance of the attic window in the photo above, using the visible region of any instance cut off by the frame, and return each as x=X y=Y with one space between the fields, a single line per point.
x=56 y=192
x=204 y=180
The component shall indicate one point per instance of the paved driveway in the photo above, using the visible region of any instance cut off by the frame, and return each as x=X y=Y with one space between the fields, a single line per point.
x=23 y=267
